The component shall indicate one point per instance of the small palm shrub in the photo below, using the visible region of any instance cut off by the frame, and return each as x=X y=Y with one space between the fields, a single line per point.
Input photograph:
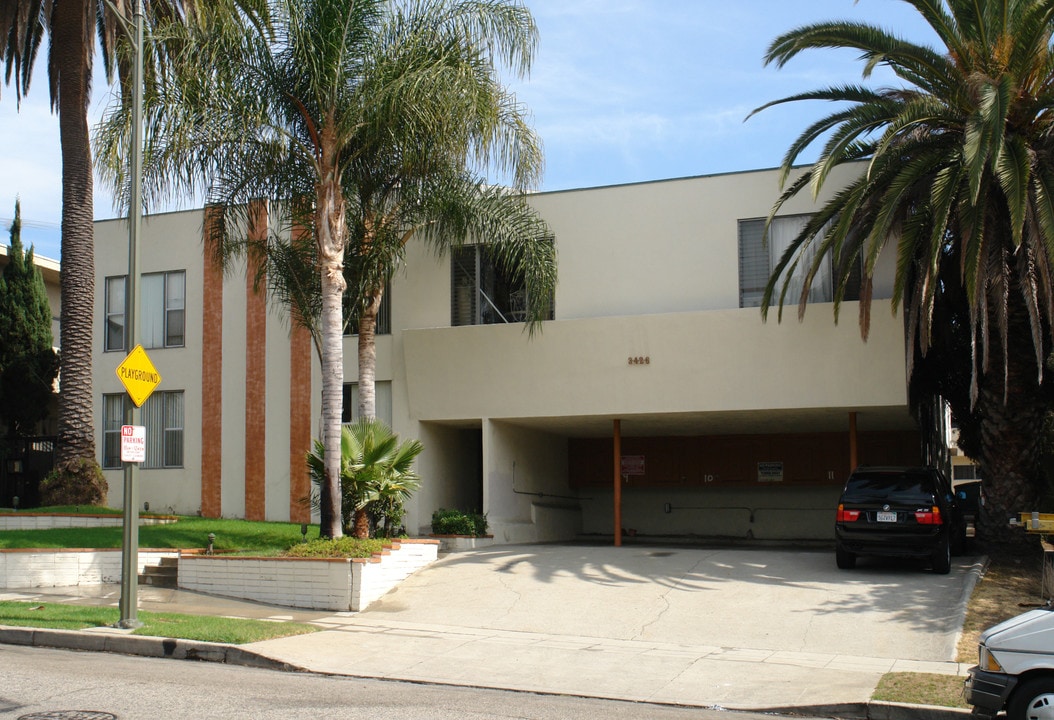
x=376 y=477
x=457 y=522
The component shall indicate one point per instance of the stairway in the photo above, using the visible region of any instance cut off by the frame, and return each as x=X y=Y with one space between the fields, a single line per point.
x=165 y=575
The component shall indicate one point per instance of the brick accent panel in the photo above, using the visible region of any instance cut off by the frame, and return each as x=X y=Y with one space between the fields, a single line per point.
x=212 y=368
x=255 y=370
x=299 y=425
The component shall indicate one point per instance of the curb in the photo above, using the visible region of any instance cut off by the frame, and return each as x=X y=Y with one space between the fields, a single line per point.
x=120 y=642
x=872 y=710
x=882 y=710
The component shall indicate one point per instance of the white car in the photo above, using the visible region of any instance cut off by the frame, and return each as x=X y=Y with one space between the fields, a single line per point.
x=1015 y=668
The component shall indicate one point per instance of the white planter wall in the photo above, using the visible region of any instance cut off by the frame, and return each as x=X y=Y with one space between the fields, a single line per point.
x=48 y=522
x=68 y=568
x=316 y=584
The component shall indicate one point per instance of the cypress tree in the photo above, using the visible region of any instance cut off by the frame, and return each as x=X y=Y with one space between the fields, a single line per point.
x=28 y=364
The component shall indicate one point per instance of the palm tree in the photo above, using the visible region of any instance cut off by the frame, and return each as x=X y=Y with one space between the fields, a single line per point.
x=71 y=51
x=376 y=473
x=956 y=178
x=363 y=122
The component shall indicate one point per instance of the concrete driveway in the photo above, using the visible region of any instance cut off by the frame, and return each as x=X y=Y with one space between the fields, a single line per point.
x=745 y=628
x=788 y=600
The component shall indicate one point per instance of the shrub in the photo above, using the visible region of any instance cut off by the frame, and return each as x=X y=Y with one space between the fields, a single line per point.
x=345 y=547
x=376 y=477
x=457 y=522
x=77 y=482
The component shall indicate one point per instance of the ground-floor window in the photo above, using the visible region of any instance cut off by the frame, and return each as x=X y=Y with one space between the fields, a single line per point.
x=383 y=402
x=162 y=415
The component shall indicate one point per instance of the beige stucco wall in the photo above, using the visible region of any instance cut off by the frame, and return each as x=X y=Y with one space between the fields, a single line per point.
x=722 y=360
x=659 y=247
x=647 y=271
x=172 y=241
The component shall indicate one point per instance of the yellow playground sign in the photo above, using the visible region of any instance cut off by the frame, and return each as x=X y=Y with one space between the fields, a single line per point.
x=138 y=375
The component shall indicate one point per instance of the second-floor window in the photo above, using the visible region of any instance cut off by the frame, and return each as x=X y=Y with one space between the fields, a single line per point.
x=758 y=258
x=482 y=292
x=162 y=319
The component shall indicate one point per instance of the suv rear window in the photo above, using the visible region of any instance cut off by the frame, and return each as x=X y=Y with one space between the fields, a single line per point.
x=906 y=487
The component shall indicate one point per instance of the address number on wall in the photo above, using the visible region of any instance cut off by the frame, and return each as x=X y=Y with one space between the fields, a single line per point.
x=640 y=360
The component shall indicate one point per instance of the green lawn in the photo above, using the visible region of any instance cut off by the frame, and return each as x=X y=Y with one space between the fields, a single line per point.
x=170 y=625
x=66 y=510
x=232 y=536
x=188 y=532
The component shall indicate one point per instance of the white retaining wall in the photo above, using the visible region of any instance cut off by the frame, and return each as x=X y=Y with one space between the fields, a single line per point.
x=67 y=568
x=47 y=522
x=461 y=543
x=315 y=583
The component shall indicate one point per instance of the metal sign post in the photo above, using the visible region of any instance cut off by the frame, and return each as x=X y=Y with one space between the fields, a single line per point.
x=129 y=603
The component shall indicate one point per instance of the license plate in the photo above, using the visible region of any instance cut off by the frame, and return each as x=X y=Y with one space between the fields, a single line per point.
x=886 y=517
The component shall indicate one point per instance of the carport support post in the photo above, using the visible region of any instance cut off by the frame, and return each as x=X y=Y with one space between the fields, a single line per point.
x=852 y=442
x=618 y=482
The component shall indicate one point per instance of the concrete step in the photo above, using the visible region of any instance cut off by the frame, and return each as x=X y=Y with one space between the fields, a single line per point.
x=164 y=575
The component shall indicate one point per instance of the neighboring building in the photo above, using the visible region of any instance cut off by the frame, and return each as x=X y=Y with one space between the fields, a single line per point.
x=49 y=269
x=728 y=426
x=22 y=468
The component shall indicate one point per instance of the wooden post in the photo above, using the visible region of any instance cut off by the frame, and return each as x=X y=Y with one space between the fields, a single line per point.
x=618 y=483
x=853 y=462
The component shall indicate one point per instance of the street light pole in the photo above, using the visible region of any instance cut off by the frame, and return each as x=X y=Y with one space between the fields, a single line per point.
x=130 y=538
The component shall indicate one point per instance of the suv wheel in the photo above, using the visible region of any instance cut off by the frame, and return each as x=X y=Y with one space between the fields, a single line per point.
x=942 y=558
x=1033 y=700
x=845 y=559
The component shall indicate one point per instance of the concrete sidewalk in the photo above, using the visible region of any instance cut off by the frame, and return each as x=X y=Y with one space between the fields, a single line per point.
x=751 y=629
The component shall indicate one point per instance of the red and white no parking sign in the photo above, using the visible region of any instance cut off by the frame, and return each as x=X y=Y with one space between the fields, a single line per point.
x=133 y=443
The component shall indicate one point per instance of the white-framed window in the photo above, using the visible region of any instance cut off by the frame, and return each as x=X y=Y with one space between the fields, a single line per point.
x=162 y=305
x=162 y=415
x=115 y=310
x=382 y=402
x=758 y=258
x=482 y=293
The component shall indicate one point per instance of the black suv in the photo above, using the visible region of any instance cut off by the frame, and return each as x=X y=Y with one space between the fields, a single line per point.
x=900 y=512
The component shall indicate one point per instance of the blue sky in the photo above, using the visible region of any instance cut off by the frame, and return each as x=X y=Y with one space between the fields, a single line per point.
x=621 y=91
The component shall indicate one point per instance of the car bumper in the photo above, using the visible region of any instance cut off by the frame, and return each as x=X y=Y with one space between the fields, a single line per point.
x=893 y=544
x=987 y=691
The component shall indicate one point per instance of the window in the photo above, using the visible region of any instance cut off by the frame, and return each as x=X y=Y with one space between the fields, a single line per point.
x=115 y=313
x=966 y=472
x=162 y=300
x=757 y=259
x=482 y=293
x=162 y=415
x=382 y=401
x=384 y=315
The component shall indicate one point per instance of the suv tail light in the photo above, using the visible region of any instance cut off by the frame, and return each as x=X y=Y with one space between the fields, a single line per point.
x=848 y=515
x=929 y=517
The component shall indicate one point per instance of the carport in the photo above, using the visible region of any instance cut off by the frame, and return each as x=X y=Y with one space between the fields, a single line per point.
x=763 y=475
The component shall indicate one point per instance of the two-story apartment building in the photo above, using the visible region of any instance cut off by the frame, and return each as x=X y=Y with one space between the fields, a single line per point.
x=726 y=425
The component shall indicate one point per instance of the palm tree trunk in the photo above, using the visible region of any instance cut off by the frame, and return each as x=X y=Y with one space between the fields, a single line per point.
x=1011 y=457
x=77 y=284
x=330 y=223
x=368 y=356
x=362 y=524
